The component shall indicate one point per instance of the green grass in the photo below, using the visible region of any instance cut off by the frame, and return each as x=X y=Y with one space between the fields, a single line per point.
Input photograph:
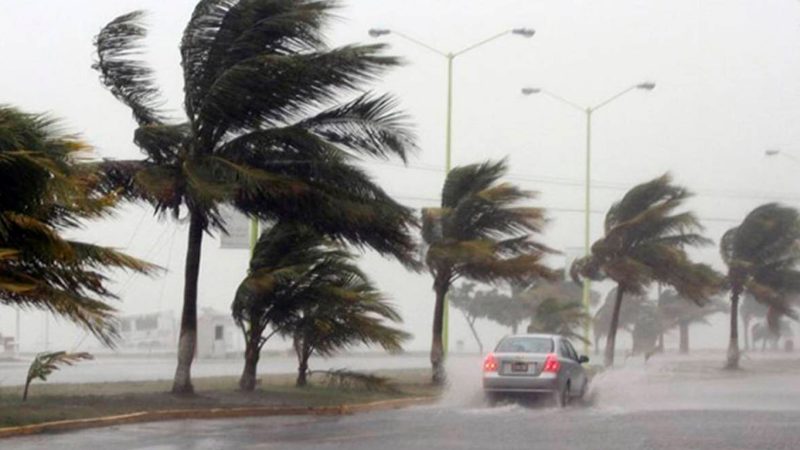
x=50 y=402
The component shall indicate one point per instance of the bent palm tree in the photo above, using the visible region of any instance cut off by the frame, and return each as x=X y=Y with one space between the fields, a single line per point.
x=479 y=233
x=45 y=190
x=304 y=286
x=762 y=254
x=645 y=241
x=253 y=73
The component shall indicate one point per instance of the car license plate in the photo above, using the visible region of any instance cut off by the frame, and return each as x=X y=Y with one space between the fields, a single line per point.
x=519 y=367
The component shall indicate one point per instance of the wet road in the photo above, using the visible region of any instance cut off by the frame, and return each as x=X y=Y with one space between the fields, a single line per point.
x=667 y=405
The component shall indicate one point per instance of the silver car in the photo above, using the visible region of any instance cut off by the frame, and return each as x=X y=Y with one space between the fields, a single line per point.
x=535 y=363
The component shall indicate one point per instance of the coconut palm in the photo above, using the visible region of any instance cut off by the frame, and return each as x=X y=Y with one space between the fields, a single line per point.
x=762 y=254
x=263 y=132
x=341 y=309
x=480 y=232
x=45 y=191
x=645 y=241
x=306 y=287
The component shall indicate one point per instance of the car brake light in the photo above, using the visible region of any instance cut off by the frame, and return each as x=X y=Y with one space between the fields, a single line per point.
x=490 y=363
x=551 y=363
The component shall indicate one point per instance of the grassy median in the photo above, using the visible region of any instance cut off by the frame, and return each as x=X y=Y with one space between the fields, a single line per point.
x=50 y=402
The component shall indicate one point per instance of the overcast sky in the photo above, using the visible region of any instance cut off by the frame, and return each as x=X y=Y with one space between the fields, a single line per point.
x=727 y=89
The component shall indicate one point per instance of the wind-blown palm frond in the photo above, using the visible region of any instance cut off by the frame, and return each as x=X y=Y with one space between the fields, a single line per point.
x=267 y=131
x=44 y=364
x=44 y=191
x=129 y=79
x=646 y=241
x=480 y=232
x=762 y=255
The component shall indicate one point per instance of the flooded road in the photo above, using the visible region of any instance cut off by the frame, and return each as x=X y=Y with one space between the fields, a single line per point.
x=670 y=403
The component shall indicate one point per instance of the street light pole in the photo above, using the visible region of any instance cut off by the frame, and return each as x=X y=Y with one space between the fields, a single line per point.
x=588 y=111
x=450 y=57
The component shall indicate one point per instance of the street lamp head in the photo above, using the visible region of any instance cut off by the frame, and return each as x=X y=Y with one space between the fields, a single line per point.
x=647 y=85
x=378 y=32
x=524 y=32
x=771 y=152
x=530 y=90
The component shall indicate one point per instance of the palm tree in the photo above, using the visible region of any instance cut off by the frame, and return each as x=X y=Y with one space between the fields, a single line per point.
x=46 y=190
x=304 y=286
x=341 y=309
x=762 y=254
x=480 y=232
x=254 y=73
x=645 y=241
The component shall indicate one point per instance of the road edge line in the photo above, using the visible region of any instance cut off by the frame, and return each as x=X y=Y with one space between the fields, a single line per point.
x=212 y=413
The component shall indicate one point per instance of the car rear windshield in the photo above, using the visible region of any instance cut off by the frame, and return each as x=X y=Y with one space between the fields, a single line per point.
x=525 y=345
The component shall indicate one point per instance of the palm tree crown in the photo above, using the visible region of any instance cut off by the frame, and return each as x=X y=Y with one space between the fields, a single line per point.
x=46 y=189
x=263 y=131
x=480 y=232
x=645 y=241
x=762 y=255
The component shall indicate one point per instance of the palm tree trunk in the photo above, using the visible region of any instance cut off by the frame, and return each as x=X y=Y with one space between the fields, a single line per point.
x=684 y=332
x=733 y=343
x=25 y=392
x=437 y=346
x=252 y=353
x=302 y=369
x=608 y=360
x=188 y=337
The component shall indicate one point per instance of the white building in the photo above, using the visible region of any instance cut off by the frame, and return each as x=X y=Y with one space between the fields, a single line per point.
x=217 y=335
x=148 y=332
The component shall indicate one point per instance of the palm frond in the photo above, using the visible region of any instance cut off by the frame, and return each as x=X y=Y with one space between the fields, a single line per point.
x=128 y=79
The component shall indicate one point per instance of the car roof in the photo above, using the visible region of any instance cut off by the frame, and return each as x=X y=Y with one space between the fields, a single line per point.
x=535 y=335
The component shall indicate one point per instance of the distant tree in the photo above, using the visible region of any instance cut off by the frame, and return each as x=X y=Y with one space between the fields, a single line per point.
x=480 y=232
x=464 y=299
x=601 y=322
x=46 y=191
x=675 y=311
x=645 y=241
x=750 y=309
x=255 y=75
x=556 y=306
x=762 y=254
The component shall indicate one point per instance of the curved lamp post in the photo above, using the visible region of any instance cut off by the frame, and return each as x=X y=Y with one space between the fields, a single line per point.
x=588 y=110
x=450 y=57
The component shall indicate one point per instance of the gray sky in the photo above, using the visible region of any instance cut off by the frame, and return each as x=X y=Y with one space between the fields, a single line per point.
x=726 y=74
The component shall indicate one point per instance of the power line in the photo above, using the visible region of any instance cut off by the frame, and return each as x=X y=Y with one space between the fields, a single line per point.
x=605 y=185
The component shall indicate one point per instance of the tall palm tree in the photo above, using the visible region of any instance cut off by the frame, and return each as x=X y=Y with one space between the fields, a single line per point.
x=306 y=287
x=645 y=241
x=480 y=232
x=257 y=75
x=46 y=189
x=762 y=255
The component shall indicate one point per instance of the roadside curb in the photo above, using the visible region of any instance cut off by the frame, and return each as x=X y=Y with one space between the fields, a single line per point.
x=214 y=413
